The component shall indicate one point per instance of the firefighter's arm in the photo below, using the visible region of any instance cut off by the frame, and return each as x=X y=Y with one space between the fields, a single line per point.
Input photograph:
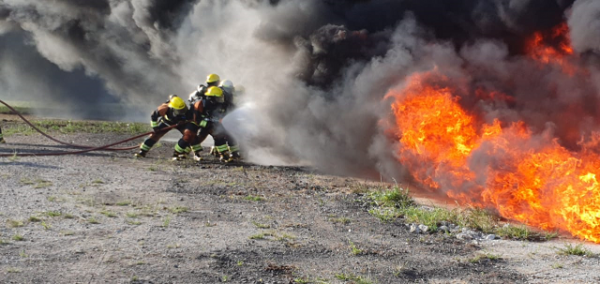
x=199 y=118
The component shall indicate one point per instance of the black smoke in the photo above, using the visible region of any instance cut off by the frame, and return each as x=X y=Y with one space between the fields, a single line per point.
x=315 y=72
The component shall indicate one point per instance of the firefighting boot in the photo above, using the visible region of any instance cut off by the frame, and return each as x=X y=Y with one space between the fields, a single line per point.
x=225 y=157
x=214 y=152
x=178 y=156
x=141 y=154
x=197 y=156
x=235 y=156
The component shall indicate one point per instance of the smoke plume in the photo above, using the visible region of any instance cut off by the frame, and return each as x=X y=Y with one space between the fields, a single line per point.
x=315 y=73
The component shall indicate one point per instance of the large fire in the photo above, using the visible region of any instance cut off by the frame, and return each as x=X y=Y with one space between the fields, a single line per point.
x=528 y=177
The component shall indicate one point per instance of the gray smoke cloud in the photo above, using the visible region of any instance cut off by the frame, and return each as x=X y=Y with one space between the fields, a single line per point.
x=315 y=73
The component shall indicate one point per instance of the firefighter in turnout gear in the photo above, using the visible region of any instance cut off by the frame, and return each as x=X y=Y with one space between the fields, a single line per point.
x=212 y=80
x=208 y=113
x=229 y=104
x=2 y=137
x=173 y=112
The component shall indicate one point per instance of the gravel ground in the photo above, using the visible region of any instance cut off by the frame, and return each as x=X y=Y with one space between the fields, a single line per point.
x=108 y=218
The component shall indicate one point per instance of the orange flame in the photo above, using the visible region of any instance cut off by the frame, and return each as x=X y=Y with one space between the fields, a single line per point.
x=526 y=177
x=552 y=48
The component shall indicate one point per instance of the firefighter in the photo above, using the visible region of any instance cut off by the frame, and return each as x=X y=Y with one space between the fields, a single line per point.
x=207 y=116
x=212 y=80
x=2 y=137
x=230 y=96
x=173 y=112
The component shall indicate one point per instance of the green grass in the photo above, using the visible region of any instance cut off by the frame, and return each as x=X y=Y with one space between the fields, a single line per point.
x=254 y=198
x=354 y=249
x=93 y=220
x=395 y=197
x=53 y=213
x=179 y=209
x=18 y=238
x=340 y=220
x=578 y=250
x=15 y=223
x=124 y=203
x=261 y=226
x=34 y=219
x=109 y=214
x=166 y=221
x=69 y=127
x=357 y=279
x=387 y=205
x=484 y=256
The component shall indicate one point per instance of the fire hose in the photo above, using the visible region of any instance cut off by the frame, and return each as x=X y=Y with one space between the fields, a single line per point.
x=86 y=148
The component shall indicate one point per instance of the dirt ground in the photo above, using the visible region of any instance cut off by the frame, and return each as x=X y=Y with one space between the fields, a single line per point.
x=106 y=217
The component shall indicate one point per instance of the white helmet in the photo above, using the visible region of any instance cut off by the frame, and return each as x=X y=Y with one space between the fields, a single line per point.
x=227 y=85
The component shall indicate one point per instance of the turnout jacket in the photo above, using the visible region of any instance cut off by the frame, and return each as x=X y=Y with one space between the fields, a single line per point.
x=165 y=114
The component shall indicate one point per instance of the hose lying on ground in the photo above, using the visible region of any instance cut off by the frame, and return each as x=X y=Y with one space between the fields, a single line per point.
x=86 y=148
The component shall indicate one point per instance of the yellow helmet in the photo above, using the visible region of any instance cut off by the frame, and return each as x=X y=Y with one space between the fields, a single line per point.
x=214 y=92
x=212 y=78
x=177 y=103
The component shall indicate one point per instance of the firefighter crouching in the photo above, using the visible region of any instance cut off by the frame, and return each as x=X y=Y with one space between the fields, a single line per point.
x=229 y=94
x=173 y=112
x=208 y=112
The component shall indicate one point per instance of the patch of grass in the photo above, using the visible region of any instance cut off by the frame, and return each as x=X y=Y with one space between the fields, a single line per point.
x=354 y=250
x=52 y=198
x=40 y=183
x=521 y=233
x=259 y=236
x=179 y=209
x=124 y=203
x=3 y=242
x=395 y=197
x=53 y=213
x=67 y=127
x=23 y=254
x=131 y=214
x=340 y=220
x=15 y=223
x=385 y=214
x=45 y=225
x=108 y=214
x=254 y=198
x=166 y=221
x=172 y=246
x=133 y=222
x=209 y=224
x=18 y=238
x=353 y=278
x=284 y=237
x=97 y=181
x=261 y=226
x=578 y=250
x=34 y=219
x=68 y=216
x=224 y=278
x=240 y=263
x=557 y=266
x=93 y=220
x=483 y=256
x=26 y=181
x=13 y=270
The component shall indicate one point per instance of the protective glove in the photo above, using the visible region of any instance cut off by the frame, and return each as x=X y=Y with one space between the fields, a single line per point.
x=203 y=123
